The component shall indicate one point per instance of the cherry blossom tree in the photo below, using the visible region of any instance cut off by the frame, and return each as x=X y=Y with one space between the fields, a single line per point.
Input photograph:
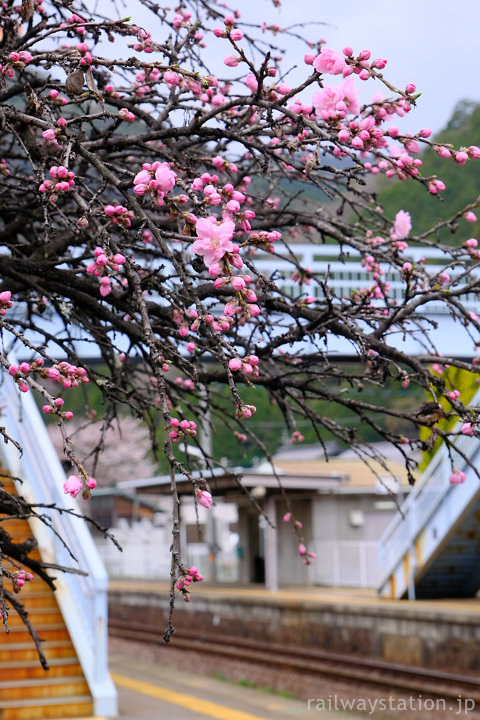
x=156 y=171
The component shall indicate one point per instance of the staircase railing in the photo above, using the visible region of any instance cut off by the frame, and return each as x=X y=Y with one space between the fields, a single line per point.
x=82 y=598
x=425 y=499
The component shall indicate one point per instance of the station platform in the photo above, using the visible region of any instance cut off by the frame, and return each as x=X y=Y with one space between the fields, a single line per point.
x=151 y=690
x=442 y=634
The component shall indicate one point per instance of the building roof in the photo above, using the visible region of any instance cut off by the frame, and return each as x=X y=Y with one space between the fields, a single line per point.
x=355 y=475
x=131 y=496
x=343 y=474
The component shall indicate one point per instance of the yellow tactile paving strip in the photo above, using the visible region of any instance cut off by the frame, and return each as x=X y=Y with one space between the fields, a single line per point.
x=190 y=702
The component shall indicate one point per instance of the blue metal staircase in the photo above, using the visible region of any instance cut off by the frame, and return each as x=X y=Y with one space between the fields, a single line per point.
x=431 y=549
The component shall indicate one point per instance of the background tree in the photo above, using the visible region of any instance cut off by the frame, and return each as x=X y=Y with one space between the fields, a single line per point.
x=142 y=178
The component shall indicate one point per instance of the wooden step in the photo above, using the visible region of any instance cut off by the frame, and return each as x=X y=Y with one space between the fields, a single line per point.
x=73 y=707
x=25 y=651
x=32 y=598
x=41 y=688
x=27 y=691
x=39 y=617
x=31 y=669
x=19 y=633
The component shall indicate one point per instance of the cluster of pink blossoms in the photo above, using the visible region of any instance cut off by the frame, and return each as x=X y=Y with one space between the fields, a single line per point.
x=248 y=365
x=59 y=99
x=185 y=580
x=306 y=556
x=398 y=234
x=221 y=323
x=303 y=276
x=126 y=114
x=472 y=246
x=74 y=484
x=85 y=54
x=297 y=437
x=457 y=477
x=156 y=178
x=64 y=181
x=54 y=409
x=144 y=38
x=64 y=373
x=180 y=428
x=17 y=61
x=19 y=578
x=73 y=20
x=5 y=301
x=105 y=262
x=334 y=103
x=142 y=87
x=119 y=214
x=245 y=411
x=214 y=244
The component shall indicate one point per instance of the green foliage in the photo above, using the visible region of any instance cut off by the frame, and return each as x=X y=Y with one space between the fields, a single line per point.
x=462 y=182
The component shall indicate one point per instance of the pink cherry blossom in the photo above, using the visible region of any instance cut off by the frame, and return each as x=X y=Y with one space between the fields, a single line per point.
x=329 y=61
x=72 y=485
x=401 y=226
x=467 y=428
x=350 y=95
x=214 y=239
x=49 y=134
x=165 y=178
x=329 y=103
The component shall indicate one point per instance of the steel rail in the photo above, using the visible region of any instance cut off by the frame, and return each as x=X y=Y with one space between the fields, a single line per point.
x=370 y=671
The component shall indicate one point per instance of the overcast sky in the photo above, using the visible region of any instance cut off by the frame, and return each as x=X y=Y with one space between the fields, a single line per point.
x=432 y=43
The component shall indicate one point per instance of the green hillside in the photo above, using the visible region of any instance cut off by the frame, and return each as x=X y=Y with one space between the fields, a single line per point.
x=463 y=182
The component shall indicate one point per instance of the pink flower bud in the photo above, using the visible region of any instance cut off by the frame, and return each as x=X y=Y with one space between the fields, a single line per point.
x=204 y=498
x=457 y=477
x=231 y=61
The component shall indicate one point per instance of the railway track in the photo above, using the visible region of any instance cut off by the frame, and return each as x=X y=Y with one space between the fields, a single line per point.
x=365 y=671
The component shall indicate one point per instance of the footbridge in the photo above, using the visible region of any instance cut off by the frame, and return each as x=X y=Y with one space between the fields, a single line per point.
x=347 y=274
